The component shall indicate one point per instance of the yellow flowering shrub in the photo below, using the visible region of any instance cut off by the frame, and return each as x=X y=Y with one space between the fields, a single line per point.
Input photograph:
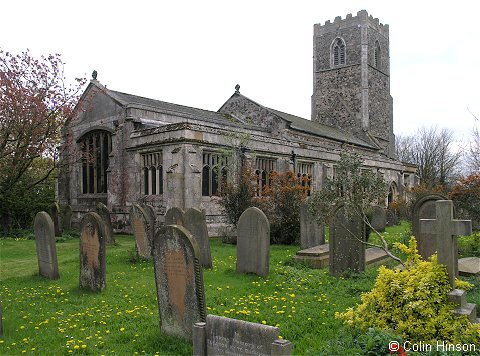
x=412 y=303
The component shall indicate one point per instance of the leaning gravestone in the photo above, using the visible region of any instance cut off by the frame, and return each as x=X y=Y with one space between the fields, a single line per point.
x=195 y=223
x=174 y=216
x=143 y=230
x=225 y=336
x=424 y=208
x=46 y=248
x=179 y=280
x=92 y=253
x=67 y=217
x=379 y=218
x=347 y=250
x=56 y=219
x=253 y=242
x=104 y=213
x=151 y=216
x=311 y=233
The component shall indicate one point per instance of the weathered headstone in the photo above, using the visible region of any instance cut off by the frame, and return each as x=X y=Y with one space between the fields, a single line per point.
x=174 y=216
x=226 y=336
x=347 y=250
x=379 y=218
x=151 y=215
x=67 y=217
x=46 y=248
x=424 y=208
x=446 y=228
x=253 y=242
x=195 y=223
x=469 y=266
x=104 y=213
x=92 y=253
x=179 y=280
x=143 y=230
x=311 y=233
x=56 y=219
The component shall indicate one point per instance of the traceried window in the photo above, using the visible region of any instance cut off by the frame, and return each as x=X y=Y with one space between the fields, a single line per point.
x=377 y=55
x=152 y=171
x=338 y=52
x=214 y=173
x=263 y=168
x=95 y=147
x=305 y=175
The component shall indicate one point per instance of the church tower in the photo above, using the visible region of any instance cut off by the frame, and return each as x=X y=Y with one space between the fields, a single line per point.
x=351 y=78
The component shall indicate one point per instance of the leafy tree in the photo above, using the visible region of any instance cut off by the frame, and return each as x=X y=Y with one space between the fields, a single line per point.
x=473 y=152
x=432 y=151
x=357 y=189
x=280 y=201
x=35 y=102
x=466 y=195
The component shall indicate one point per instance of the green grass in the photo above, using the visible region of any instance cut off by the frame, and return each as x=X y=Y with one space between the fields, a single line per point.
x=54 y=317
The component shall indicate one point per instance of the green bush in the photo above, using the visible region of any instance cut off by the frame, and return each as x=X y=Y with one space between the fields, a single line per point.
x=375 y=342
x=412 y=303
x=469 y=245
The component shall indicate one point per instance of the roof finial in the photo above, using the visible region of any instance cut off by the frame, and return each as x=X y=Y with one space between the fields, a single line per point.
x=94 y=75
x=237 y=89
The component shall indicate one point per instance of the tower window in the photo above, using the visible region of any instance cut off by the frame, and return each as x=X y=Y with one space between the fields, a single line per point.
x=377 y=55
x=338 y=52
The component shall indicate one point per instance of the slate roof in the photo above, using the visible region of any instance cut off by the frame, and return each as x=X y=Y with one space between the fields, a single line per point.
x=318 y=129
x=129 y=99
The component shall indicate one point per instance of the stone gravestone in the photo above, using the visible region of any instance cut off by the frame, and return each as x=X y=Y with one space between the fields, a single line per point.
x=225 y=336
x=143 y=230
x=46 y=248
x=56 y=219
x=104 y=213
x=445 y=227
x=347 y=250
x=92 y=253
x=379 y=218
x=195 y=223
x=311 y=233
x=424 y=208
x=67 y=217
x=151 y=216
x=253 y=242
x=179 y=280
x=174 y=216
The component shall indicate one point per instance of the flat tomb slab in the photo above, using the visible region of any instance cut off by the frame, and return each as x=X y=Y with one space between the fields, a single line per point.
x=469 y=266
x=315 y=251
x=317 y=257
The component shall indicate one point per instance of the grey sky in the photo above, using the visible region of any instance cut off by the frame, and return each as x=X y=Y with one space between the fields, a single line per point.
x=194 y=52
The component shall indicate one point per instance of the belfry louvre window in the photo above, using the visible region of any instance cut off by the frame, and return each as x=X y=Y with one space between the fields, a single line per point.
x=305 y=176
x=95 y=146
x=152 y=164
x=214 y=173
x=338 y=51
x=263 y=168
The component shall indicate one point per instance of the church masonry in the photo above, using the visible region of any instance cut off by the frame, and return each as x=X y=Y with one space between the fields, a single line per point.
x=123 y=149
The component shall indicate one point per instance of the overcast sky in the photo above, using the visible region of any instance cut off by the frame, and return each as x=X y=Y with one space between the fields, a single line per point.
x=194 y=52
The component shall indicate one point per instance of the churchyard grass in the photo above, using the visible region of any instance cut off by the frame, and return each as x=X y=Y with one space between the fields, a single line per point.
x=44 y=316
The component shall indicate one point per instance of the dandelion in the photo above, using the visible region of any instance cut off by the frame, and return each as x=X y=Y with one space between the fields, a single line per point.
x=264 y=322
x=122 y=329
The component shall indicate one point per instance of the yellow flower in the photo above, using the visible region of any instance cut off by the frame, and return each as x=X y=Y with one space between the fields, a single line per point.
x=264 y=322
x=122 y=329
x=76 y=347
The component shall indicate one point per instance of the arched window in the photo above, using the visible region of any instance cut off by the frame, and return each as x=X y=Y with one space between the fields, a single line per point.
x=338 y=54
x=377 y=55
x=214 y=173
x=152 y=173
x=95 y=146
x=263 y=168
x=305 y=176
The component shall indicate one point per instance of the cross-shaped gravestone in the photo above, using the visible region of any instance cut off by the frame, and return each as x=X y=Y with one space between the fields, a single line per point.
x=446 y=228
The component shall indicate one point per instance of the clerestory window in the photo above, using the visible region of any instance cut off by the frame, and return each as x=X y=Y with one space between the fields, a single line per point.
x=338 y=52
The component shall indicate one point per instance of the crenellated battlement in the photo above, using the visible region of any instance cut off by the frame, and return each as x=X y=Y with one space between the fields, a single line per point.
x=362 y=18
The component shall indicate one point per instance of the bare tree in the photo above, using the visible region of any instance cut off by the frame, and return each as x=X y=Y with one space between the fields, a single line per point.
x=433 y=152
x=473 y=153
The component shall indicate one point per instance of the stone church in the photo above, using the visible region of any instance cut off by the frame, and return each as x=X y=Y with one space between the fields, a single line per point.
x=121 y=148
